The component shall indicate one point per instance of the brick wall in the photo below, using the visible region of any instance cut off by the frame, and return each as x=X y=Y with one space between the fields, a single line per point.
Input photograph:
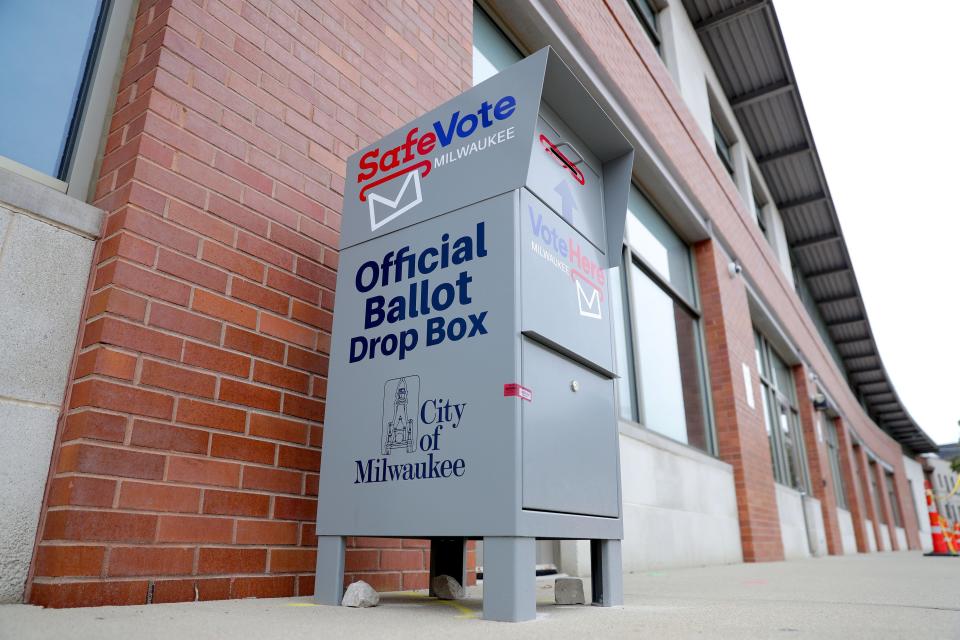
x=186 y=459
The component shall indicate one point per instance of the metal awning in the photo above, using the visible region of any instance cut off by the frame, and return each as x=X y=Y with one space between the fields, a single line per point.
x=743 y=41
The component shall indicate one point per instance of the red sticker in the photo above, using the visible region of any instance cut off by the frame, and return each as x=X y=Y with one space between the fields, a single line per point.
x=515 y=390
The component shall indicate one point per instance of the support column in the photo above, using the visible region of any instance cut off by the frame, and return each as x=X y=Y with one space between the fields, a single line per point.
x=884 y=501
x=852 y=484
x=606 y=573
x=738 y=411
x=817 y=462
x=448 y=557
x=509 y=579
x=328 y=583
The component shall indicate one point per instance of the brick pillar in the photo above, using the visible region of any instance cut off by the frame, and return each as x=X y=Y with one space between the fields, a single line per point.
x=741 y=434
x=885 y=508
x=188 y=453
x=855 y=494
x=864 y=467
x=818 y=463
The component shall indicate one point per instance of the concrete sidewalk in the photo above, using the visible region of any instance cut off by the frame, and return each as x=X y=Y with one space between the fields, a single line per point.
x=891 y=595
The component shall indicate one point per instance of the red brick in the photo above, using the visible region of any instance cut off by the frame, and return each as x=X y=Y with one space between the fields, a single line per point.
x=294 y=508
x=382 y=582
x=401 y=559
x=194 y=529
x=266 y=532
x=303 y=407
x=312 y=315
x=264 y=250
x=415 y=580
x=270 y=207
x=241 y=448
x=218 y=307
x=107 y=363
x=188 y=590
x=201 y=222
x=81 y=491
x=361 y=560
x=308 y=535
x=296 y=287
x=88 y=594
x=236 y=503
x=265 y=587
x=311 y=484
x=205 y=414
x=415 y=543
x=253 y=344
x=259 y=296
x=293 y=560
x=232 y=261
x=200 y=355
x=297 y=458
x=94 y=425
x=280 y=376
x=362 y=542
x=88 y=526
x=88 y=458
x=149 y=561
x=221 y=560
x=316 y=436
x=286 y=330
x=192 y=270
x=237 y=214
x=323 y=276
x=105 y=395
x=156 y=435
x=277 y=428
x=159 y=497
x=184 y=322
x=250 y=395
x=157 y=374
x=119 y=302
x=203 y=471
x=134 y=337
x=153 y=227
x=296 y=242
x=307 y=360
x=277 y=480
x=140 y=280
x=72 y=560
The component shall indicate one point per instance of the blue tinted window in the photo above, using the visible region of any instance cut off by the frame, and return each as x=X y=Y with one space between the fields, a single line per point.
x=44 y=48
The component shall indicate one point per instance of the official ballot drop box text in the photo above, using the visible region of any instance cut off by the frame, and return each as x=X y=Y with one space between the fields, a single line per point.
x=471 y=388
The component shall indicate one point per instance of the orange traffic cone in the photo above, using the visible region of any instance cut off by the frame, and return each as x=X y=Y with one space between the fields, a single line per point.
x=936 y=533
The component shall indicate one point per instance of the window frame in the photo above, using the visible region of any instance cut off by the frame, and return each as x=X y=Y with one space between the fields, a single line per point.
x=630 y=257
x=773 y=403
x=650 y=23
x=87 y=129
x=723 y=146
x=892 y=495
x=833 y=452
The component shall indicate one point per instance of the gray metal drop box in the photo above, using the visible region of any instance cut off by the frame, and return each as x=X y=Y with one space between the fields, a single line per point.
x=471 y=387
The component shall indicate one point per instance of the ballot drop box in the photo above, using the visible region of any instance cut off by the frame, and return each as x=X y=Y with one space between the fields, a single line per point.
x=471 y=384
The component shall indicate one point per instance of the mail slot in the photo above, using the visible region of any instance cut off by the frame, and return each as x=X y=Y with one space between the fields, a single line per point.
x=471 y=384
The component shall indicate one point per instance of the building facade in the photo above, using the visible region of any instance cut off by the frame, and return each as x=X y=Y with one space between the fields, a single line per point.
x=169 y=216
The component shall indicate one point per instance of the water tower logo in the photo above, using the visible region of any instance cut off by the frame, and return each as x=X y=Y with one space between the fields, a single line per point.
x=401 y=402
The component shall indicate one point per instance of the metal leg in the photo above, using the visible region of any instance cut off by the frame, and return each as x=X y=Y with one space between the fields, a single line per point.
x=509 y=579
x=448 y=556
x=328 y=583
x=606 y=575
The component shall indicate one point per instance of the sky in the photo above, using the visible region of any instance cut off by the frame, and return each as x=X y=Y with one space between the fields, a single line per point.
x=879 y=82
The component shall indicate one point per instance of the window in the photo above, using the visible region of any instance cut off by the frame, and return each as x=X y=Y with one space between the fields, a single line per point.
x=782 y=420
x=492 y=51
x=647 y=15
x=659 y=352
x=875 y=491
x=833 y=451
x=894 y=505
x=724 y=147
x=42 y=95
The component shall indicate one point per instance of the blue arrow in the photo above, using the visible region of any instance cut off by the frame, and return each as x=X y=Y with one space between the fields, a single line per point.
x=567 y=200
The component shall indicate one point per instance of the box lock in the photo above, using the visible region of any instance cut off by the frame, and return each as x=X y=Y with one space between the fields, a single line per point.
x=574 y=386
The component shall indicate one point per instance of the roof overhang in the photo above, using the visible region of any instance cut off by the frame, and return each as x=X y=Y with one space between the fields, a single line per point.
x=743 y=40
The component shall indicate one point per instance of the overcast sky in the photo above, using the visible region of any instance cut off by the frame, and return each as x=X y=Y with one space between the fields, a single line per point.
x=879 y=81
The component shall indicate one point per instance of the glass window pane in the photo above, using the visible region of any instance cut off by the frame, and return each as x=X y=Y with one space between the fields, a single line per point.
x=492 y=51
x=894 y=506
x=669 y=351
x=623 y=344
x=44 y=48
x=659 y=245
